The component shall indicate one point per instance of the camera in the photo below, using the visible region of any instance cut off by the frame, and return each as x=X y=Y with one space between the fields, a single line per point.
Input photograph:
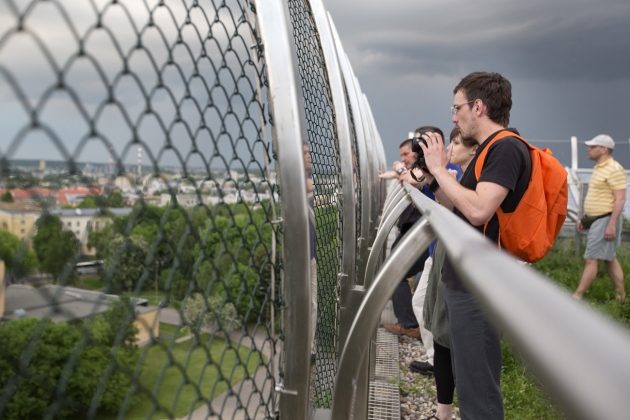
x=415 y=147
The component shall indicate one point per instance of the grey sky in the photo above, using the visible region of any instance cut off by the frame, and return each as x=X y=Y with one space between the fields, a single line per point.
x=568 y=61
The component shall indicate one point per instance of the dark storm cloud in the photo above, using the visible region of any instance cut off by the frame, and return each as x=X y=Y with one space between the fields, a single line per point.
x=568 y=61
x=547 y=40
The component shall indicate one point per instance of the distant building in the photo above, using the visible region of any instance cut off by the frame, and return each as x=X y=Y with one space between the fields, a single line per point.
x=35 y=196
x=188 y=200
x=19 y=219
x=83 y=221
x=75 y=195
x=152 y=184
x=229 y=197
x=123 y=184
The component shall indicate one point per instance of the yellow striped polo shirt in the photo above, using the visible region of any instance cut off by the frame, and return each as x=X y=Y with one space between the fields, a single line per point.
x=607 y=176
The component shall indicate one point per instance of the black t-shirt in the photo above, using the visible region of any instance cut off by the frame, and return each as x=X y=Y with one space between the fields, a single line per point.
x=508 y=164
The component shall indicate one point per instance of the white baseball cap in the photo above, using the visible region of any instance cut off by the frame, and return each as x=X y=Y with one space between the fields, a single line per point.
x=601 y=140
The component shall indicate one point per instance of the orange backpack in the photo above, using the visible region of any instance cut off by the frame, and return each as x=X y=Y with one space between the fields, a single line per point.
x=531 y=229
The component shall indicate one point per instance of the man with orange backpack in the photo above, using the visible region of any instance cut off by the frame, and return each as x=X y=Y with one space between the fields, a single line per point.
x=481 y=109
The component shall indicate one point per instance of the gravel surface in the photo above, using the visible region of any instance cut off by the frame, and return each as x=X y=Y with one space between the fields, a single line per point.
x=417 y=392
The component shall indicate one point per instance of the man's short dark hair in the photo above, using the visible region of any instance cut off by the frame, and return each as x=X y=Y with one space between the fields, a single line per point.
x=493 y=89
x=426 y=129
x=406 y=142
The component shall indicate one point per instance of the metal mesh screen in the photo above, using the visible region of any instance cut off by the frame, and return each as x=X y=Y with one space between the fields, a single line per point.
x=322 y=137
x=356 y=170
x=138 y=211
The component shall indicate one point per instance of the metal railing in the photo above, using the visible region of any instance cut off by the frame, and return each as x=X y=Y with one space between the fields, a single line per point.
x=586 y=372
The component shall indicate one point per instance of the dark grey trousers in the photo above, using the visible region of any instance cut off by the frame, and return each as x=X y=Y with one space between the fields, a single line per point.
x=476 y=353
x=403 y=309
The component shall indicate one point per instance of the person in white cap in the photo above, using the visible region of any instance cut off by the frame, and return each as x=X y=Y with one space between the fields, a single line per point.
x=603 y=206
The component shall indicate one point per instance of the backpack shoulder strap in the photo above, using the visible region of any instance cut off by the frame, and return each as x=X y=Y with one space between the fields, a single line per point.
x=482 y=155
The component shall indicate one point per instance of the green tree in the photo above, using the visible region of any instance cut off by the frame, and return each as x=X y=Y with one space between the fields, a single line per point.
x=89 y=202
x=112 y=200
x=55 y=248
x=123 y=245
x=7 y=197
x=19 y=260
x=233 y=256
x=37 y=354
x=124 y=262
x=209 y=314
x=119 y=319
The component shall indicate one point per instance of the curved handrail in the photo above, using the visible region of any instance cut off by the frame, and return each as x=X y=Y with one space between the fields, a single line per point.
x=368 y=316
x=587 y=373
x=388 y=221
x=396 y=193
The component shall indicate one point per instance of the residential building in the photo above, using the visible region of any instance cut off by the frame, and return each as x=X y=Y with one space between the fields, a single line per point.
x=19 y=219
x=83 y=221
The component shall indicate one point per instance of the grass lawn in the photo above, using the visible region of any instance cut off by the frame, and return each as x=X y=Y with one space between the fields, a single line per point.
x=202 y=371
x=523 y=397
x=89 y=282
x=169 y=332
x=151 y=295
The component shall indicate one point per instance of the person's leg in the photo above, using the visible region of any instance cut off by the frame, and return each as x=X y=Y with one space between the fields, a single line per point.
x=596 y=249
x=616 y=274
x=588 y=275
x=401 y=300
x=444 y=381
x=476 y=351
x=418 y=306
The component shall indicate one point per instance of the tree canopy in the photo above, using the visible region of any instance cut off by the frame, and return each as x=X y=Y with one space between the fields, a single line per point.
x=219 y=251
x=18 y=259
x=55 y=247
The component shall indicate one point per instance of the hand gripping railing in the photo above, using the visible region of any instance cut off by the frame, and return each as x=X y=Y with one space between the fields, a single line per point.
x=579 y=355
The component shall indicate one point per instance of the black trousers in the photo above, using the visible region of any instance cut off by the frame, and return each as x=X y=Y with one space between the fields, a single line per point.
x=443 y=371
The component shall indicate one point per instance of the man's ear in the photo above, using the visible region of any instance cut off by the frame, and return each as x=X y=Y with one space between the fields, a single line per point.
x=478 y=104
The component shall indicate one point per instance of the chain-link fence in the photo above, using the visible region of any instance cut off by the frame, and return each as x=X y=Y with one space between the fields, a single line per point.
x=155 y=241
x=322 y=140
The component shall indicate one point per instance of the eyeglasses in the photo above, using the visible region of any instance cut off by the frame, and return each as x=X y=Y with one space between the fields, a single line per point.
x=455 y=108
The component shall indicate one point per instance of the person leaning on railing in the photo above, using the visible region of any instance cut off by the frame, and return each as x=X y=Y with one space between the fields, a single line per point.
x=406 y=324
x=481 y=109
x=460 y=152
x=420 y=182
